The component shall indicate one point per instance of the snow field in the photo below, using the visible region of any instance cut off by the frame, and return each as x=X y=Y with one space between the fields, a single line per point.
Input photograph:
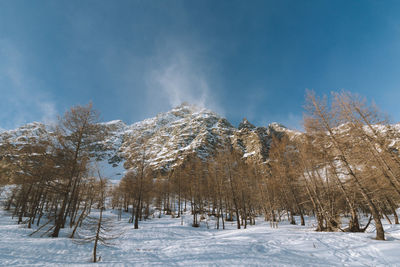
x=165 y=242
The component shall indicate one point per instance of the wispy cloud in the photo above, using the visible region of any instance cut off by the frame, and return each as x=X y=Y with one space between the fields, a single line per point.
x=22 y=99
x=290 y=120
x=180 y=76
x=180 y=82
x=293 y=121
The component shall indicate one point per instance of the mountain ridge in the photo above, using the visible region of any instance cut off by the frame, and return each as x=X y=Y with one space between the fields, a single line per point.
x=170 y=137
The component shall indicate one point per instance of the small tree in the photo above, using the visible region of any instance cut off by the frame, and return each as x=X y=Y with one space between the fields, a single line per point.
x=138 y=178
x=97 y=229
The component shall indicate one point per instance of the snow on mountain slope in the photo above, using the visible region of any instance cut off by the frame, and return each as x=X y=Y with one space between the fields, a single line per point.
x=25 y=134
x=168 y=139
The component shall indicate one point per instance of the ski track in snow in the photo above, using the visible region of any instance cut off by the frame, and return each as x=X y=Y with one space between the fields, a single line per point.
x=165 y=242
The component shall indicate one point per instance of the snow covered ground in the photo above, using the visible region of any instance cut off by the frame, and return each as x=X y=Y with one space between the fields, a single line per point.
x=165 y=242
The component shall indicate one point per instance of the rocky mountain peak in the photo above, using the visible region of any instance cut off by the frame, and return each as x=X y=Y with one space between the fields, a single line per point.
x=186 y=108
x=245 y=124
x=171 y=137
x=24 y=134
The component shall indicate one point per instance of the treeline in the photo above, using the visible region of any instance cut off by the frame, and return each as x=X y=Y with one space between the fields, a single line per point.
x=345 y=165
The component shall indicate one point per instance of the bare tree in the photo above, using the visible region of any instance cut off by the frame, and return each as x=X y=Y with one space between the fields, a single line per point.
x=97 y=230
x=78 y=133
x=324 y=120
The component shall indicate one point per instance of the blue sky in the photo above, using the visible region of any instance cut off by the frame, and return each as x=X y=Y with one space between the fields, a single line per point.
x=251 y=59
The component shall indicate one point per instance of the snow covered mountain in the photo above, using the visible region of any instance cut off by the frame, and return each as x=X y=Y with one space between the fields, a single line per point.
x=170 y=137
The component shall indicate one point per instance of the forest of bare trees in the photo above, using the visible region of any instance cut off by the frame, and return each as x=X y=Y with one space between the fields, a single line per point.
x=50 y=174
x=343 y=167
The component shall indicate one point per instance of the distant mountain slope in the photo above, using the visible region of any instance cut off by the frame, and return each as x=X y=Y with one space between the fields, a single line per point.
x=170 y=137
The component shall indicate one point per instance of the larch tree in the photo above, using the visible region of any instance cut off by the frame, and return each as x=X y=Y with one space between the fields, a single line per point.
x=78 y=133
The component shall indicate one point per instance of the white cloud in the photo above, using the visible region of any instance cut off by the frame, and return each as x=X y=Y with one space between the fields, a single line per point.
x=293 y=121
x=22 y=100
x=180 y=82
x=178 y=76
x=48 y=111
